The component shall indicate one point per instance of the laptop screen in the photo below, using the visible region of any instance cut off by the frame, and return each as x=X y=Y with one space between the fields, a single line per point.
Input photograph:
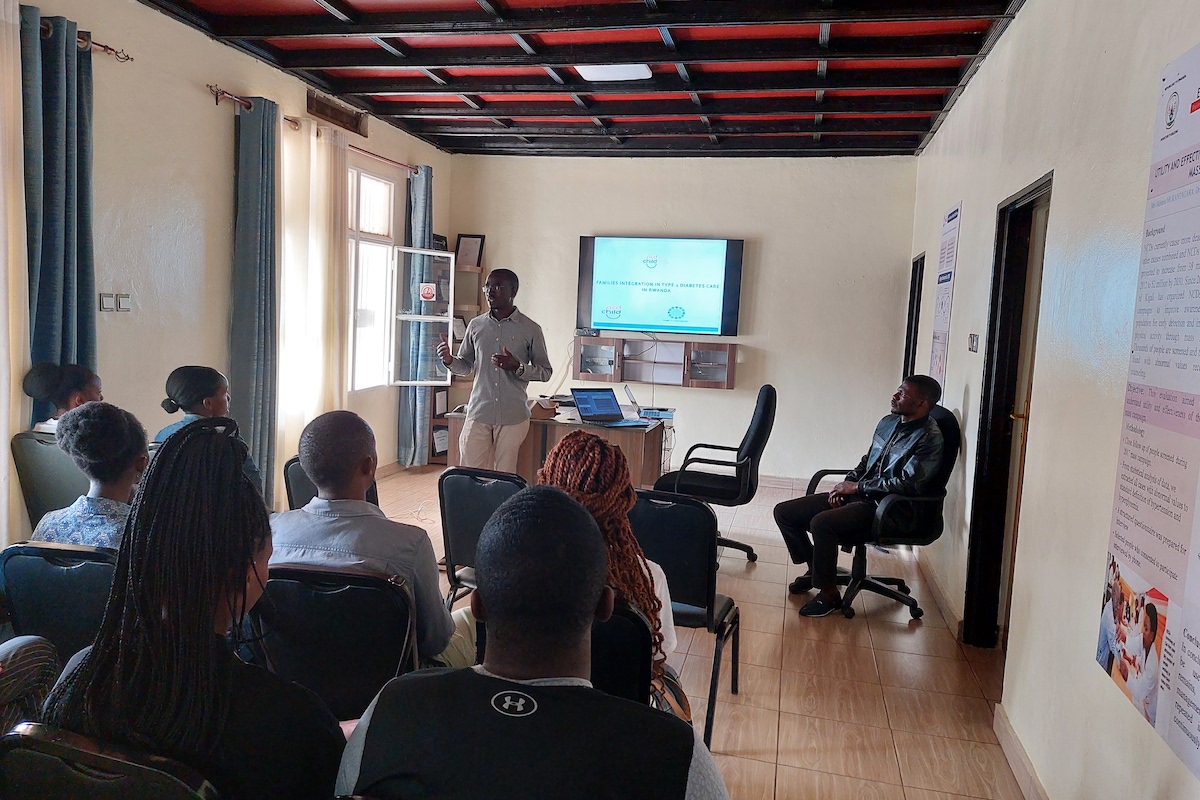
x=597 y=404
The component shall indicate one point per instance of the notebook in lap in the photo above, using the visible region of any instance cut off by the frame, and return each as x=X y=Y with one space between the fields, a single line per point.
x=600 y=407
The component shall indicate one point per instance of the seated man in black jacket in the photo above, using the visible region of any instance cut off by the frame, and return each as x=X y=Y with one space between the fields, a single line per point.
x=903 y=458
x=527 y=722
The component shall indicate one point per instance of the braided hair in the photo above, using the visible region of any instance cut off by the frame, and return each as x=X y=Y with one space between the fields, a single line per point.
x=103 y=440
x=596 y=474
x=157 y=676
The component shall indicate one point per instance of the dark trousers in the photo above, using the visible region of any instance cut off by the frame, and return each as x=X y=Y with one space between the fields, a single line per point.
x=830 y=527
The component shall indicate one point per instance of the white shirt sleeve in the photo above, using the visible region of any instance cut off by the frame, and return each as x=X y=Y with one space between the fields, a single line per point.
x=666 y=619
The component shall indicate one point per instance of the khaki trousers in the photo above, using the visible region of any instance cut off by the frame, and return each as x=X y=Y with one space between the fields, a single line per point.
x=485 y=446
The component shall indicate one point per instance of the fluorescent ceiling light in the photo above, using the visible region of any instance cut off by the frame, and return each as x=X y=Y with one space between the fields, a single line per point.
x=600 y=73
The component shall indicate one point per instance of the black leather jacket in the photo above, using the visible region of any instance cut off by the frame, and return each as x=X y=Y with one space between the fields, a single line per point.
x=903 y=458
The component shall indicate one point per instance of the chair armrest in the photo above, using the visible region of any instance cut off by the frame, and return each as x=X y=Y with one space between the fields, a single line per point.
x=822 y=475
x=897 y=515
x=702 y=446
x=736 y=465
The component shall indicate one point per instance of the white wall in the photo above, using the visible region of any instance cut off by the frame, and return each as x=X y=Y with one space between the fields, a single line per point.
x=164 y=197
x=1071 y=87
x=825 y=277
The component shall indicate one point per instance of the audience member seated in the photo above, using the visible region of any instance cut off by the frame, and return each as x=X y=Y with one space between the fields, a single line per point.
x=109 y=445
x=66 y=387
x=161 y=675
x=527 y=723
x=28 y=667
x=202 y=393
x=340 y=529
x=903 y=458
x=596 y=474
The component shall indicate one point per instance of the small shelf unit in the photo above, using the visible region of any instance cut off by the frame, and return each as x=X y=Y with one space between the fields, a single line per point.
x=698 y=364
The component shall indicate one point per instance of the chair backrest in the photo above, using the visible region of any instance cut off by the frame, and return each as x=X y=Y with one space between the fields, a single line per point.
x=468 y=497
x=57 y=591
x=342 y=635
x=49 y=478
x=755 y=440
x=623 y=654
x=38 y=761
x=300 y=489
x=951 y=442
x=679 y=534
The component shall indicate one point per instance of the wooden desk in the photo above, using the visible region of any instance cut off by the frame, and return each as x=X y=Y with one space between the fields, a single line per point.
x=642 y=447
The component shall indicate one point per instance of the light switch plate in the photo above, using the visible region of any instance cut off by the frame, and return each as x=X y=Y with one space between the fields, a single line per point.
x=124 y=302
x=108 y=301
x=972 y=342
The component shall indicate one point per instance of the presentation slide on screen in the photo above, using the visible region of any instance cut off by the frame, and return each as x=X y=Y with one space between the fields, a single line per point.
x=675 y=285
x=1149 y=634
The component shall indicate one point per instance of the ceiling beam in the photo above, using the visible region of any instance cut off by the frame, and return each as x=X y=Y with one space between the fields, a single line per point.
x=866 y=48
x=620 y=16
x=833 y=106
x=792 y=81
x=692 y=127
x=694 y=144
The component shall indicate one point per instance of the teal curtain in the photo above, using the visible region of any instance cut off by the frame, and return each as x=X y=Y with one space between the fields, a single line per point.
x=416 y=350
x=253 y=338
x=56 y=95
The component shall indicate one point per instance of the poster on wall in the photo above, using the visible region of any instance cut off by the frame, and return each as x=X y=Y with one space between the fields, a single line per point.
x=1149 y=639
x=944 y=295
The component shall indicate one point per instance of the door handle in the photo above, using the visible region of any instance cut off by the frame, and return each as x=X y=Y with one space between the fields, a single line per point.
x=1015 y=415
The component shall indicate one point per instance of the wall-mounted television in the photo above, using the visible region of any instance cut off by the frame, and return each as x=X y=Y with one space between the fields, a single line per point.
x=660 y=285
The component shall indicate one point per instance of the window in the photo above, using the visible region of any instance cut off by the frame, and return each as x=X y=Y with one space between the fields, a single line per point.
x=400 y=296
x=372 y=202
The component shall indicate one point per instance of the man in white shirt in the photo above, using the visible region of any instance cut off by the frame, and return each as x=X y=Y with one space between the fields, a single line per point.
x=1140 y=667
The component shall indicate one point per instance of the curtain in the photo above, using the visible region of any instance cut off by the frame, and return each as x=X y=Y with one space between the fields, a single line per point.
x=14 y=277
x=417 y=349
x=314 y=281
x=57 y=111
x=253 y=334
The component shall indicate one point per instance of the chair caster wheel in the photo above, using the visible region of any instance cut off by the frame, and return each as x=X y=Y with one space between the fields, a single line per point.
x=916 y=612
x=904 y=588
x=752 y=557
x=848 y=612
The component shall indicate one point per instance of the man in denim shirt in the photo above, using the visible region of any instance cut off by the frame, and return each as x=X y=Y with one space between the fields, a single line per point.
x=904 y=457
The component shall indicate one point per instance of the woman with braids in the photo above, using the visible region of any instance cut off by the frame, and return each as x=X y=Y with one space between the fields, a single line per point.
x=161 y=675
x=65 y=387
x=201 y=393
x=109 y=445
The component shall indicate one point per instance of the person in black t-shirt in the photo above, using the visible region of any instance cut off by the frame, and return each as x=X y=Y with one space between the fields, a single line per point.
x=527 y=722
x=160 y=675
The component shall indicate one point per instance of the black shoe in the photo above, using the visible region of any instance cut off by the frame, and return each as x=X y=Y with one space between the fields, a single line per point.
x=802 y=584
x=820 y=606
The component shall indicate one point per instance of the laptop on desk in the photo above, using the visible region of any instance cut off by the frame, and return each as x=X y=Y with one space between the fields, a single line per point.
x=600 y=407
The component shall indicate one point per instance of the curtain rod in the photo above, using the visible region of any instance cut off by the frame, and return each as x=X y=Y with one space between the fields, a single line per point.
x=220 y=94
x=84 y=42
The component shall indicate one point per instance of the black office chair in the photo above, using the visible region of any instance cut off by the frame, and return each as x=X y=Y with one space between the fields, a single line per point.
x=57 y=591
x=342 y=635
x=728 y=490
x=300 y=489
x=680 y=535
x=39 y=762
x=468 y=497
x=913 y=521
x=49 y=478
x=623 y=654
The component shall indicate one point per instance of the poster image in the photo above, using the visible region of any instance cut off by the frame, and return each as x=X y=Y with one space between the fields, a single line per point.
x=943 y=296
x=1149 y=632
x=1133 y=617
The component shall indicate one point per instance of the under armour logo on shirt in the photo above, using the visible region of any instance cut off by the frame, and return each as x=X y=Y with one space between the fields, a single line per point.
x=514 y=704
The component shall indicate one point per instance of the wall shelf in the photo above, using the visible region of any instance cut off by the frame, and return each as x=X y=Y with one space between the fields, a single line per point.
x=698 y=365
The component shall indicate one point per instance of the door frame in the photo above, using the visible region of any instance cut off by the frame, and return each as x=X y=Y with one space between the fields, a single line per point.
x=989 y=498
x=914 y=316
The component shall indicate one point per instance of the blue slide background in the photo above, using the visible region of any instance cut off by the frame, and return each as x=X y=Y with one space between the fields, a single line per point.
x=673 y=285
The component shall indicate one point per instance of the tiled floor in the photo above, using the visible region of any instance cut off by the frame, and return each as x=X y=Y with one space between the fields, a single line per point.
x=879 y=706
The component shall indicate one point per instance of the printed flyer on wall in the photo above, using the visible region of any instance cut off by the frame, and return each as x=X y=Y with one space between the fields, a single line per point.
x=1149 y=632
x=943 y=296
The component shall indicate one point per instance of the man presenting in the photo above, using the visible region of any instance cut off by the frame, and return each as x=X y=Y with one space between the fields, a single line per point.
x=904 y=456
x=497 y=414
